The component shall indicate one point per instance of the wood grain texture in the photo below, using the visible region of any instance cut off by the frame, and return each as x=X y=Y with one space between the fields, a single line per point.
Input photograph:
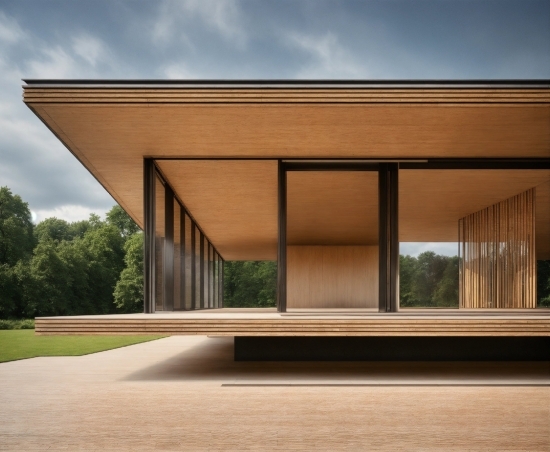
x=111 y=130
x=284 y=95
x=321 y=277
x=111 y=140
x=332 y=208
x=432 y=201
x=257 y=323
x=497 y=250
x=234 y=202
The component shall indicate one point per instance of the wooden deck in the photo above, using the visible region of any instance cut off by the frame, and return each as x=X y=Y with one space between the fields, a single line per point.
x=268 y=322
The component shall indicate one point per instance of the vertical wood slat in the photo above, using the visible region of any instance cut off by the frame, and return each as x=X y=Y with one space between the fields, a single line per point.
x=498 y=260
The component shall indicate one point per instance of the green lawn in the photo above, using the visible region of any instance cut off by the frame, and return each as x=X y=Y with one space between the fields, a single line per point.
x=21 y=344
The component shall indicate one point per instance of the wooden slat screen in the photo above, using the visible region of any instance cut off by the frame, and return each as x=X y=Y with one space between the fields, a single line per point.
x=497 y=255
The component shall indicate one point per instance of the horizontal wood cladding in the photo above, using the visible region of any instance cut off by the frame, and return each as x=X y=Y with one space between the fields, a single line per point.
x=435 y=326
x=282 y=95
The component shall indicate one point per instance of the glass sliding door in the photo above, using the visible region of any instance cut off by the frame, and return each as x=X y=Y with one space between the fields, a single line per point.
x=159 y=243
x=473 y=238
x=332 y=239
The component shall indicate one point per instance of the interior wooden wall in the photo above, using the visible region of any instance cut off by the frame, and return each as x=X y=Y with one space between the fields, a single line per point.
x=332 y=277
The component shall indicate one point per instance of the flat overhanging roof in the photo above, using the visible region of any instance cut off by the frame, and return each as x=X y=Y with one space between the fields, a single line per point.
x=111 y=125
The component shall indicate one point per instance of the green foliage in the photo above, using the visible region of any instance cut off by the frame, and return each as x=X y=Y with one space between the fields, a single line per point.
x=543 y=284
x=429 y=280
x=25 y=324
x=249 y=284
x=61 y=268
x=122 y=221
x=9 y=290
x=129 y=288
x=25 y=344
x=16 y=228
x=52 y=229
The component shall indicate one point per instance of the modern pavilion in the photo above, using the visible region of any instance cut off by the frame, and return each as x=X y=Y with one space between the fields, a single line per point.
x=327 y=178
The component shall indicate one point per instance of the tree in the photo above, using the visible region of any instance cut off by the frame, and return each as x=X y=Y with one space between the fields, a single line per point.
x=543 y=284
x=250 y=284
x=16 y=228
x=122 y=221
x=129 y=288
x=9 y=290
x=103 y=248
x=429 y=280
x=45 y=282
x=53 y=229
x=446 y=290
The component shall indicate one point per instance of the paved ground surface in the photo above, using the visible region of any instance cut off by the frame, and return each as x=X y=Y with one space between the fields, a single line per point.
x=186 y=393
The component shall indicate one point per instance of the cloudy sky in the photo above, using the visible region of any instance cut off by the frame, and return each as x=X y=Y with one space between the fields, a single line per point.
x=232 y=39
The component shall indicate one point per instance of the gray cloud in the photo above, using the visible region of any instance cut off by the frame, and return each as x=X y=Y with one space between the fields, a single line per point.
x=286 y=39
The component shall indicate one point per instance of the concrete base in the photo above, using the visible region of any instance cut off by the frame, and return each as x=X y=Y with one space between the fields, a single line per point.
x=391 y=348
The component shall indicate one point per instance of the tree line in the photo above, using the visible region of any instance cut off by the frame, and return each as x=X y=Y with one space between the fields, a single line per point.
x=92 y=266
x=95 y=266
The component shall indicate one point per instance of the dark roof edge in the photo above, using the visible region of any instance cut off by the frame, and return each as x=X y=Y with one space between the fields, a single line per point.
x=90 y=83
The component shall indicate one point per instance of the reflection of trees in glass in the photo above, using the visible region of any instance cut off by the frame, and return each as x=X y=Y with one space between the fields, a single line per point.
x=429 y=280
x=249 y=284
x=543 y=284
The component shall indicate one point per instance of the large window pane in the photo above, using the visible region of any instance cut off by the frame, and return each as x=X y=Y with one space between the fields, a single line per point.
x=159 y=244
x=205 y=273
x=491 y=264
x=215 y=279
x=332 y=238
x=198 y=268
x=178 y=302
x=188 y=263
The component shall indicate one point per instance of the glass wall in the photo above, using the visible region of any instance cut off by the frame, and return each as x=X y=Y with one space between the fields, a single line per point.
x=187 y=265
x=473 y=238
x=160 y=234
x=188 y=259
x=179 y=275
x=332 y=239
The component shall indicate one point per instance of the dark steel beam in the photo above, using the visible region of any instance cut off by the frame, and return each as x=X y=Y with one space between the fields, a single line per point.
x=183 y=272
x=168 y=283
x=281 y=243
x=388 y=237
x=193 y=267
x=201 y=265
x=149 y=236
x=222 y=268
x=285 y=84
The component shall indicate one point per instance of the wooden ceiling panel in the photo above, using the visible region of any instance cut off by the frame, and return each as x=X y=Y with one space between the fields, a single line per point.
x=332 y=208
x=234 y=202
x=432 y=201
x=298 y=130
x=110 y=131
